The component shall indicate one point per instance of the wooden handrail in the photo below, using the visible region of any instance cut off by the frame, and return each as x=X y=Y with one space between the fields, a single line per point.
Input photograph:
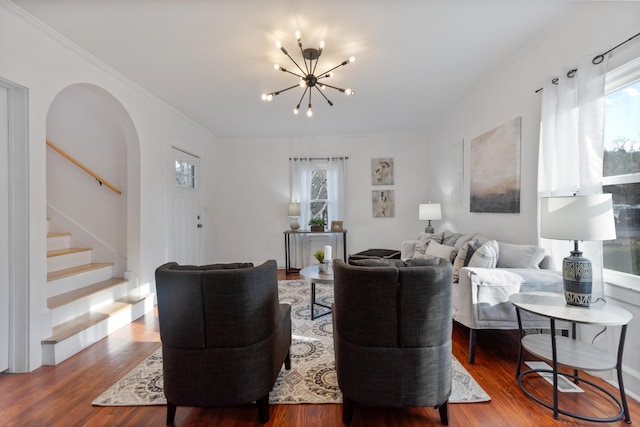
x=83 y=167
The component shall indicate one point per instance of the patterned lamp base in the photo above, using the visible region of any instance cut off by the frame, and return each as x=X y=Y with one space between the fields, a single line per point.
x=577 y=279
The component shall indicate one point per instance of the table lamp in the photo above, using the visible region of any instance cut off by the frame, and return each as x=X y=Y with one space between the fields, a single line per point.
x=427 y=212
x=577 y=218
x=294 y=213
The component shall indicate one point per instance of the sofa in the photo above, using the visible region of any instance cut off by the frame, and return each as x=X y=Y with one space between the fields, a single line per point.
x=392 y=333
x=485 y=273
x=224 y=334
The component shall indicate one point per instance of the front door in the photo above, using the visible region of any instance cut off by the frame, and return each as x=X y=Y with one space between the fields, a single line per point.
x=186 y=247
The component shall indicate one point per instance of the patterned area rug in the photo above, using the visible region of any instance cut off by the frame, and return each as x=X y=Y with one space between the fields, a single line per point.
x=312 y=378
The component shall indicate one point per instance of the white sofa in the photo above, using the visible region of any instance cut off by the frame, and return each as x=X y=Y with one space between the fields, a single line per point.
x=481 y=294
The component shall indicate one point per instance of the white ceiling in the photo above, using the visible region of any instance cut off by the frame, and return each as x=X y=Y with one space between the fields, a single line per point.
x=212 y=59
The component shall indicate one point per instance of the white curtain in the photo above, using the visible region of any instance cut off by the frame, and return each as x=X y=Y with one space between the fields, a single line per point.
x=300 y=174
x=571 y=149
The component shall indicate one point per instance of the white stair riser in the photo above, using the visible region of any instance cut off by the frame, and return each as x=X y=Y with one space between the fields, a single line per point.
x=61 y=262
x=52 y=354
x=83 y=305
x=58 y=242
x=80 y=280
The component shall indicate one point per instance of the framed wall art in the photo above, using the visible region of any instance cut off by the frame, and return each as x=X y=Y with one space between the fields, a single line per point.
x=495 y=169
x=382 y=171
x=383 y=203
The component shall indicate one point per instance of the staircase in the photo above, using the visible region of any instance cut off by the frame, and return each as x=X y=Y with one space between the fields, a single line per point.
x=86 y=302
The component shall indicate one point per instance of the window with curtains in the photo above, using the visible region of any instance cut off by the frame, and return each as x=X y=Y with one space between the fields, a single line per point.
x=621 y=172
x=318 y=184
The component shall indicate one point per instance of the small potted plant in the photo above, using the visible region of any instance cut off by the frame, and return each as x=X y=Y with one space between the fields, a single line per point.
x=317 y=224
x=319 y=255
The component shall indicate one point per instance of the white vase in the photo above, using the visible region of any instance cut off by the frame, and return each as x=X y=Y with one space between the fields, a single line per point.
x=322 y=267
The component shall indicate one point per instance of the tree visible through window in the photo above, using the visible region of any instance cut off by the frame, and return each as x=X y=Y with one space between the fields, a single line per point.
x=319 y=197
x=622 y=176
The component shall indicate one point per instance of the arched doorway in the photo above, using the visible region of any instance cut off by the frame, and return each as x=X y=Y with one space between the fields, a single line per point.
x=92 y=126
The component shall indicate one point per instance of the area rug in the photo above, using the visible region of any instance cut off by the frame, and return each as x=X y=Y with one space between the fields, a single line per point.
x=312 y=378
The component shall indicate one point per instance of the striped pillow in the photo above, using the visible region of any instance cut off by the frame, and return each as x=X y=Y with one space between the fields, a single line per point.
x=486 y=255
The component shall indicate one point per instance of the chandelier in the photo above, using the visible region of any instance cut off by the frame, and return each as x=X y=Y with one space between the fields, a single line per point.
x=308 y=77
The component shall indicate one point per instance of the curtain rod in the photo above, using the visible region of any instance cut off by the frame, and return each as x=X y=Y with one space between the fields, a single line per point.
x=318 y=158
x=596 y=60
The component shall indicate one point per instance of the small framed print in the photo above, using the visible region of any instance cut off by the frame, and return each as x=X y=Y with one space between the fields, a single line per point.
x=336 y=225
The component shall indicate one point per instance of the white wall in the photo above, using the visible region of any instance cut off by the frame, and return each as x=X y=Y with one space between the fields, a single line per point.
x=253 y=187
x=38 y=59
x=594 y=28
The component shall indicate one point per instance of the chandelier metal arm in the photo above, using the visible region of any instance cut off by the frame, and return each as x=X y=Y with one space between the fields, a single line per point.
x=334 y=87
x=324 y=96
x=293 y=60
x=278 y=92
x=328 y=71
x=302 y=97
x=284 y=70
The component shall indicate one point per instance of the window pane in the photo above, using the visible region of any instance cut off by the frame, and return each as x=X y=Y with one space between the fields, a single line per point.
x=622 y=131
x=319 y=194
x=319 y=185
x=623 y=254
x=185 y=174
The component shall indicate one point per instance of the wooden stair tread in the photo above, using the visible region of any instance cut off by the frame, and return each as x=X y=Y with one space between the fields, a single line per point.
x=66 y=272
x=67 y=297
x=57 y=234
x=71 y=327
x=59 y=252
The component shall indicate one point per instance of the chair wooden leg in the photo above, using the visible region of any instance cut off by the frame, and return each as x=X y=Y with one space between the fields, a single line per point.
x=444 y=413
x=171 y=413
x=472 y=346
x=347 y=410
x=263 y=408
x=287 y=360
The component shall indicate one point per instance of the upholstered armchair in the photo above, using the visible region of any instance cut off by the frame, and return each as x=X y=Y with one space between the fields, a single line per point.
x=224 y=334
x=392 y=334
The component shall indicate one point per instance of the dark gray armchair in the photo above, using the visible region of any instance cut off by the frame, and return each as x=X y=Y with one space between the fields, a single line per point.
x=392 y=334
x=224 y=334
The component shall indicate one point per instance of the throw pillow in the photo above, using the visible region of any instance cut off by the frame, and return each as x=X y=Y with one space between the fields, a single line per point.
x=486 y=255
x=519 y=256
x=450 y=238
x=462 y=259
x=423 y=240
x=435 y=249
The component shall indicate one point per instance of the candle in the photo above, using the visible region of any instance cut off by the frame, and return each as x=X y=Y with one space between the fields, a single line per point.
x=327 y=253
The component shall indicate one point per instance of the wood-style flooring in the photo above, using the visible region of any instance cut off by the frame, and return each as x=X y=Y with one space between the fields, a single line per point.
x=61 y=395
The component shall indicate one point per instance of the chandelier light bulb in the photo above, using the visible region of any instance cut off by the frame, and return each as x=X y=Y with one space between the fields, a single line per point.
x=352 y=59
x=278 y=44
x=309 y=112
x=303 y=83
x=348 y=92
x=298 y=35
x=264 y=97
x=276 y=67
x=296 y=110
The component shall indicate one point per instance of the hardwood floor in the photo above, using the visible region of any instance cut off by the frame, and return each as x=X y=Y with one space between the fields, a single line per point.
x=61 y=395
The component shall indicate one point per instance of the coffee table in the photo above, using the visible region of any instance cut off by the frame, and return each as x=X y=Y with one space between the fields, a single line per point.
x=313 y=275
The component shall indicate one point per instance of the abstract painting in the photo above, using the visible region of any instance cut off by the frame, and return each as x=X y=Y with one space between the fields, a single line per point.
x=495 y=169
x=383 y=203
x=382 y=171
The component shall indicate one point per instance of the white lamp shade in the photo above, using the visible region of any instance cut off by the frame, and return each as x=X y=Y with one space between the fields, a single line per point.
x=577 y=217
x=294 y=209
x=429 y=211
